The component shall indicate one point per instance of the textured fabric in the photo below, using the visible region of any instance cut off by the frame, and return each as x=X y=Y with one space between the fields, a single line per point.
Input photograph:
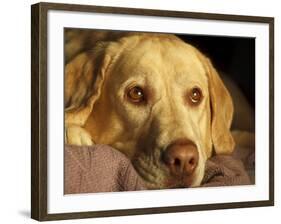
x=100 y=168
x=225 y=171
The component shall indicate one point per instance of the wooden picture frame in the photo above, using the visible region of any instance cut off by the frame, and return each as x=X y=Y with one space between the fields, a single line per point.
x=39 y=108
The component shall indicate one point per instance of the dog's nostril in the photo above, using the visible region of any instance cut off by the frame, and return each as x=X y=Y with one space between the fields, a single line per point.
x=177 y=162
x=191 y=161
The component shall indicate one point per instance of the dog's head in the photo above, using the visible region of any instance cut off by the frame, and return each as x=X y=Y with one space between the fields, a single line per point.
x=156 y=99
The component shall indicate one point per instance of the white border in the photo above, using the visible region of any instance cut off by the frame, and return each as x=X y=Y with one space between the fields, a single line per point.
x=58 y=203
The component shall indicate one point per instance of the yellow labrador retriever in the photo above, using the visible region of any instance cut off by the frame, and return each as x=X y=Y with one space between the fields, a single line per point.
x=155 y=98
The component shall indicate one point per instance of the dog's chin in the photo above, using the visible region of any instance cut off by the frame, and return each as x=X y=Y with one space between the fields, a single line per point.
x=171 y=183
x=167 y=181
x=179 y=182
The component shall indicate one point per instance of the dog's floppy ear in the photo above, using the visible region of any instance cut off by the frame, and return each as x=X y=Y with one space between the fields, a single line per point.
x=221 y=111
x=84 y=76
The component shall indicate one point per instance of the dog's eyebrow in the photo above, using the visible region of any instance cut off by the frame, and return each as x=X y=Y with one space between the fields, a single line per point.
x=138 y=76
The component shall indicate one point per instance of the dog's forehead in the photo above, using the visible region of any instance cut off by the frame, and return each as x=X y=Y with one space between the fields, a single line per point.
x=162 y=56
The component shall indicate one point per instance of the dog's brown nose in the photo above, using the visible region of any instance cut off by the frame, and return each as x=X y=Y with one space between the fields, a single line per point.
x=181 y=157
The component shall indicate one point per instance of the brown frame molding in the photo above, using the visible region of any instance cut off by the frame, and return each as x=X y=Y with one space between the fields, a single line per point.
x=39 y=110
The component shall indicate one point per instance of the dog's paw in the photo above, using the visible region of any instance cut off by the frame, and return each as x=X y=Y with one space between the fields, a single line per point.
x=76 y=135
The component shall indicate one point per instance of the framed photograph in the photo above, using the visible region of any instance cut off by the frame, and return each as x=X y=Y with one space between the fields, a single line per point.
x=138 y=111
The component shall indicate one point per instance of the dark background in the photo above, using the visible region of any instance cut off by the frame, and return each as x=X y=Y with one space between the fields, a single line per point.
x=235 y=56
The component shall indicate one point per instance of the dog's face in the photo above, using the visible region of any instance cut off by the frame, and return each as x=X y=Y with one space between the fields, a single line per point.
x=155 y=104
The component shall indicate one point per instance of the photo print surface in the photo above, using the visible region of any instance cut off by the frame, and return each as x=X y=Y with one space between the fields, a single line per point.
x=147 y=111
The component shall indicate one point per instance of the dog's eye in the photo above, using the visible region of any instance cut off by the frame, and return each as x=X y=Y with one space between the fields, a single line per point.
x=195 y=96
x=136 y=94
